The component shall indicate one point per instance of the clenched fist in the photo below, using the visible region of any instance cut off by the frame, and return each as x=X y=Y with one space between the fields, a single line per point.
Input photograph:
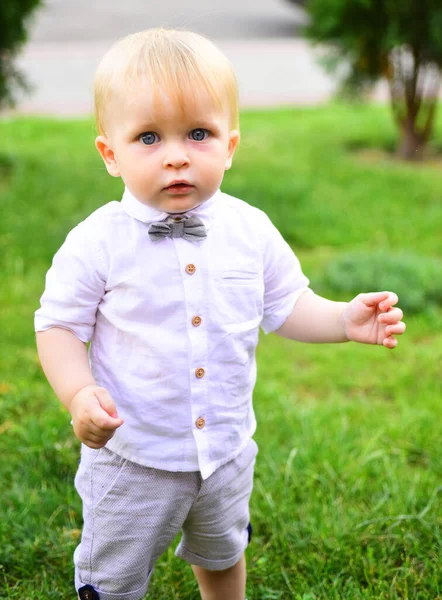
x=94 y=416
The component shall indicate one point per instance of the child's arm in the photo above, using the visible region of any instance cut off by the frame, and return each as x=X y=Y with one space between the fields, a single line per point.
x=65 y=362
x=368 y=318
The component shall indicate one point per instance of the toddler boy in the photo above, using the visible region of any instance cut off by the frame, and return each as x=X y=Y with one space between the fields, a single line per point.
x=170 y=286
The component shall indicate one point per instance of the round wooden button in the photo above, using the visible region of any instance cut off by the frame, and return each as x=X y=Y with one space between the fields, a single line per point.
x=200 y=422
x=190 y=269
x=196 y=321
x=200 y=372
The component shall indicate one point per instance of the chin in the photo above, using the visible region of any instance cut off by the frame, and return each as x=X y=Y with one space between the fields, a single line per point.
x=180 y=206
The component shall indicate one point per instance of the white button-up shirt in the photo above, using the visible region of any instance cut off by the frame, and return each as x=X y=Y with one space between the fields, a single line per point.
x=174 y=324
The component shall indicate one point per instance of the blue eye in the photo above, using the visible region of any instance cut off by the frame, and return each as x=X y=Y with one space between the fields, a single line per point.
x=148 y=138
x=198 y=135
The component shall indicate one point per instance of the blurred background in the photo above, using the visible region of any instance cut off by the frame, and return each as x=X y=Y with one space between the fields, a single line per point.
x=274 y=63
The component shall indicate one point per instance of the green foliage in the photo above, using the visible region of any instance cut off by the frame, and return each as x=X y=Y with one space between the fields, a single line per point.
x=364 y=32
x=14 y=20
x=417 y=280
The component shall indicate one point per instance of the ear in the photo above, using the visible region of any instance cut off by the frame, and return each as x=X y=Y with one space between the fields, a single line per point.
x=233 y=143
x=103 y=146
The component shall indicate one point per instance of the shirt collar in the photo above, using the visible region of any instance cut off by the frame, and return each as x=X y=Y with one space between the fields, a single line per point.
x=148 y=214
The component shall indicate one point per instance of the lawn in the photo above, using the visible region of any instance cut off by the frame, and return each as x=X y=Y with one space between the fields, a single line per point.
x=347 y=498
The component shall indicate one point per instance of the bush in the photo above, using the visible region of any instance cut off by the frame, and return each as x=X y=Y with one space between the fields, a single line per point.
x=14 y=19
x=399 y=40
x=417 y=280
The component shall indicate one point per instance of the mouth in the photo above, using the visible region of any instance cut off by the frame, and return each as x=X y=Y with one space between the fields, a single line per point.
x=179 y=187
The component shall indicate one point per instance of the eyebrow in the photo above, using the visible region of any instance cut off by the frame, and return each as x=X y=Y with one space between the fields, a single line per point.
x=194 y=123
x=207 y=123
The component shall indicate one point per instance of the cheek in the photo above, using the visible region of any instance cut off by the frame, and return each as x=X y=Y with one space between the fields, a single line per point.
x=214 y=147
x=214 y=168
x=137 y=159
x=210 y=156
x=133 y=173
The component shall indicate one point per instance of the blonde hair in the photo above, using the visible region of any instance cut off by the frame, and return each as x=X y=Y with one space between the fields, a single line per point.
x=179 y=63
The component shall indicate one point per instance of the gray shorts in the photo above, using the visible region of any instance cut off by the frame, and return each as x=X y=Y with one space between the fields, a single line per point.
x=132 y=514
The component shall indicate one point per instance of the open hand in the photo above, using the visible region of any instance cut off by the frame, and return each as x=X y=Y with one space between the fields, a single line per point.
x=373 y=319
x=94 y=416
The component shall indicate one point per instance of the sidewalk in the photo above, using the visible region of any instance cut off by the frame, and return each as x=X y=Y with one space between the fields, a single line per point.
x=270 y=72
x=274 y=67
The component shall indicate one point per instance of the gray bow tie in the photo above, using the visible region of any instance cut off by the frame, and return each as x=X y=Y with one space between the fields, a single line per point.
x=190 y=228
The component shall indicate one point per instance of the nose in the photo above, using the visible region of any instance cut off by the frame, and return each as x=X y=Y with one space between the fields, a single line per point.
x=176 y=156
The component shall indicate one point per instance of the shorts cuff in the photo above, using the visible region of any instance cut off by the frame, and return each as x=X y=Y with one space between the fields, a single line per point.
x=134 y=595
x=205 y=563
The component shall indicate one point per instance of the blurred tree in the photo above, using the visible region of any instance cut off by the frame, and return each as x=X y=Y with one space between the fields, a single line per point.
x=14 y=18
x=400 y=40
x=299 y=2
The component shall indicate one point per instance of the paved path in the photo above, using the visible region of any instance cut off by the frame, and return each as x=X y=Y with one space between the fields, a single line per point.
x=274 y=65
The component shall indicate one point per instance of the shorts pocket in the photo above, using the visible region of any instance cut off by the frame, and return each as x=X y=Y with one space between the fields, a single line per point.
x=83 y=475
x=107 y=470
x=98 y=474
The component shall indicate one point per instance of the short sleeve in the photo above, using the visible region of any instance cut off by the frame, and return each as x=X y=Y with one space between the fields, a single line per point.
x=75 y=284
x=284 y=281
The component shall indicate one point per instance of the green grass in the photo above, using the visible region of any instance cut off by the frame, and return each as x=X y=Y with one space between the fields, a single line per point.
x=347 y=498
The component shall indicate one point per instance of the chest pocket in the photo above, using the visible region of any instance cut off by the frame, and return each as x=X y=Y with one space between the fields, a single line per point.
x=239 y=298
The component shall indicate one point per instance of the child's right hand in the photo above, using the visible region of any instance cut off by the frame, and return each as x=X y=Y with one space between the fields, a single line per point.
x=94 y=416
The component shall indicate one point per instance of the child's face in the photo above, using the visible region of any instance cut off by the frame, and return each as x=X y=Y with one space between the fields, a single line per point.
x=169 y=160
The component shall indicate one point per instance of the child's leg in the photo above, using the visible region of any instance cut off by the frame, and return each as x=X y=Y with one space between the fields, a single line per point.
x=217 y=529
x=220 y=585
x=131 y=515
